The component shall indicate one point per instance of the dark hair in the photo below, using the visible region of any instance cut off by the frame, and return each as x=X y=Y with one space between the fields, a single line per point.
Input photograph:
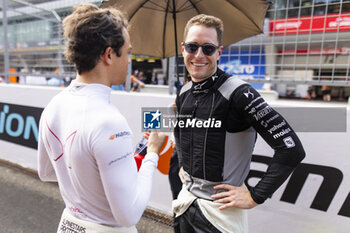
x=207 y=21
x=89 y=30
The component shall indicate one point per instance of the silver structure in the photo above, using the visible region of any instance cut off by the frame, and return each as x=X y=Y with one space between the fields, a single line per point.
x=305 y=43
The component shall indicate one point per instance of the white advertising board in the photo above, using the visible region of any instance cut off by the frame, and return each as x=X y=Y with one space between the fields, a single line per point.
x=315 y=199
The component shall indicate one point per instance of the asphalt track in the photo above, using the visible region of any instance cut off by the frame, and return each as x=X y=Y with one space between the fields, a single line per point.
x=28 y=205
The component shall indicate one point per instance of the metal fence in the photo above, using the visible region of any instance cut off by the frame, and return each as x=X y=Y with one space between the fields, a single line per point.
x=31 y=41
x=305 y=43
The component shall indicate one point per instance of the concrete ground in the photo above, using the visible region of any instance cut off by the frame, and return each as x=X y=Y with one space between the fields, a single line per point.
x=28 y=205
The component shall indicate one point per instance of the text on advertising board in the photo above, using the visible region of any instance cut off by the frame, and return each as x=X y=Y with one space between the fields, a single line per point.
x=332 y=179
x=19 y=124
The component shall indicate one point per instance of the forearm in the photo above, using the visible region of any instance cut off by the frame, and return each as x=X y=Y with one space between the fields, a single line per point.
x=129 y=194
x=272 y=180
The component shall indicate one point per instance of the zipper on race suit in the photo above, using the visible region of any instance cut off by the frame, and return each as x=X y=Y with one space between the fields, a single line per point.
x=191 y=155
x=206 y=135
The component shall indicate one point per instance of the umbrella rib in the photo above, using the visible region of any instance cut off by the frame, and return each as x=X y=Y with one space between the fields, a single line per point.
x=194 y=6
x=180 y=8
x=161 y=10
x=164 y=27
x=140 y=6
x=257 y=26
x=161 y=7
x=186 y=9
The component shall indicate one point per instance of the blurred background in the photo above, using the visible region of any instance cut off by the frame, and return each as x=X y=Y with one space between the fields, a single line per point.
x=304 y=49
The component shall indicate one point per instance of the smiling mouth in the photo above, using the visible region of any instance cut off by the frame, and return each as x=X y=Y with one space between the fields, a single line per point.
x=198 y=64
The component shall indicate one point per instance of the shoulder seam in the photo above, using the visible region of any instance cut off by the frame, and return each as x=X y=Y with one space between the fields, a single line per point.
x=229 y=86
x=186 y=87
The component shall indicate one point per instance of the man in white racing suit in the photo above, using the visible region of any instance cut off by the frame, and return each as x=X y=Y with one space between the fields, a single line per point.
x=85 y=144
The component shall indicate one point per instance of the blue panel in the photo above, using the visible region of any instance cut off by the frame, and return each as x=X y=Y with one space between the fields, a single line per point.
x=244 y=64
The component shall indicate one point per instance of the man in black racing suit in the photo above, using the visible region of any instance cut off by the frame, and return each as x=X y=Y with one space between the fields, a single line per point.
x=218 y=117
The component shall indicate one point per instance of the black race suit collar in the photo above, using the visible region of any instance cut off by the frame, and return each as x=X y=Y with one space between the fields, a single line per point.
x=213 y=82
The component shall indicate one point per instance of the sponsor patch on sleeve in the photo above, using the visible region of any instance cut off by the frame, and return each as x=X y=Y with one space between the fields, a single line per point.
x=120 y=135
x=120 y=158
x=288 y=141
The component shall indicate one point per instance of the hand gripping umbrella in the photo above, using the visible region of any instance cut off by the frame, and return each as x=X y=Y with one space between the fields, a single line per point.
x=156 y=25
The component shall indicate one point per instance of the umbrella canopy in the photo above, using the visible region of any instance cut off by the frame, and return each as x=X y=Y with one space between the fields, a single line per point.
x=153 y=23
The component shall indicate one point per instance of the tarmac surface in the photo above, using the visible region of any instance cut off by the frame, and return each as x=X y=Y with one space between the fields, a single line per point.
x=28 y=205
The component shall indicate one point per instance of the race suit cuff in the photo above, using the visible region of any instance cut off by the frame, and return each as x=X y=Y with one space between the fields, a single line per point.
x=258 y=199
x=152 y=156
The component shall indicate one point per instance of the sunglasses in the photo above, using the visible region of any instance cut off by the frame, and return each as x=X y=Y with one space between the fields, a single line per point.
x=207 y=48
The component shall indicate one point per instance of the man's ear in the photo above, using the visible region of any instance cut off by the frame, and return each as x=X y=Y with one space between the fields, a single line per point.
x=182 y=48
x=220 y=51
x=107 y=56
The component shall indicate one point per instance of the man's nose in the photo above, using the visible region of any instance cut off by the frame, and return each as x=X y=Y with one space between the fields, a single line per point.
x=199 y=52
